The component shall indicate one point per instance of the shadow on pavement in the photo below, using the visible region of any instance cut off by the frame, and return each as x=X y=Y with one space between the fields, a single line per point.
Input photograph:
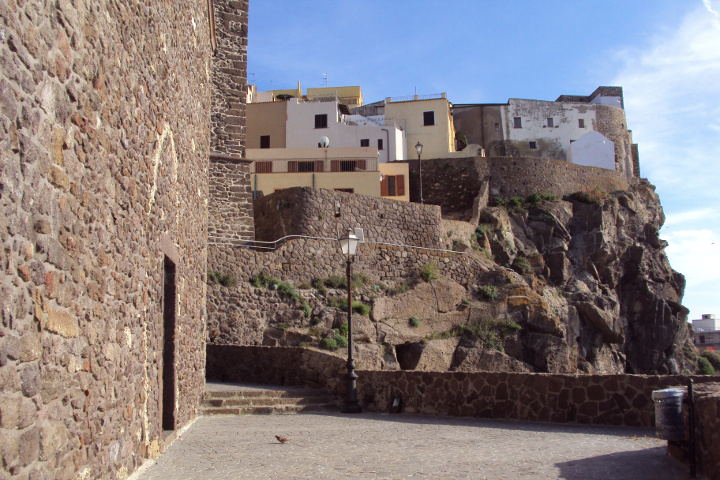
x=569 y=428
x=635 y=465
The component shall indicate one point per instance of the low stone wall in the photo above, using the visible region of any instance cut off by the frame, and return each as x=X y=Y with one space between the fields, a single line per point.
x=707 y=433
x=239 y=314
x=623 y=400
x=455 y=183
x=311 y=212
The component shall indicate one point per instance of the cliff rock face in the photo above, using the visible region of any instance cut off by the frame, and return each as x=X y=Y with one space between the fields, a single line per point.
x=620 y=299
x=573 y=285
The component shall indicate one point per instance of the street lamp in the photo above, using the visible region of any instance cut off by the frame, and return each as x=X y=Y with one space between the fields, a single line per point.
x=349 y=247
x=418 y=147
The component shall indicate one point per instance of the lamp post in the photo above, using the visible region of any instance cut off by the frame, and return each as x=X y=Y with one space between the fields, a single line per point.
x=418 y=147
x=349 y=247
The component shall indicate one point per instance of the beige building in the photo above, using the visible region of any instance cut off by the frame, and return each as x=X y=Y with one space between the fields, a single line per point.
x=425 y=120
x=353 y=170
x=265 y=125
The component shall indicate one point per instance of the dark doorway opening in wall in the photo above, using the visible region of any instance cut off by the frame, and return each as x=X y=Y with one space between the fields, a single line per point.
x=168 y=368
x=408 y=355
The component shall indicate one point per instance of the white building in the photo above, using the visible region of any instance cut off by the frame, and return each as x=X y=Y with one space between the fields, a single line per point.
x=707 y=332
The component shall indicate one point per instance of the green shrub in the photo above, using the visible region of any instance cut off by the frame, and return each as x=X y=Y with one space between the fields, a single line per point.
x=329 y=344
x=307 y=311
x=263 y=280
x=414 y=322
x=533 y=199
x=343 y=330
x=548 y=196
x=713 y=358
x=224 y=279
x=341 y=341
x=483 y=229
x=361 y=308
x=490 y=331
x=488 y=293
x=500 y=202
x=336 y=281
x=521 y=265
x=341 y=303
x=319 y=285
x=704 y=366
x=305 y=286
x=456 y=244
x=516 y=202
x=359 y=280
x=429 y=272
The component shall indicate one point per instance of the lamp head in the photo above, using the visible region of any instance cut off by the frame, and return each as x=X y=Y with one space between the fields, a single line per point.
x=349 y=243
x=418 y=147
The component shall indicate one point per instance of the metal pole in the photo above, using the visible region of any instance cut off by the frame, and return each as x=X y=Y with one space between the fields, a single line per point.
x=351 y=401
x=691 y=427
x=420 y=166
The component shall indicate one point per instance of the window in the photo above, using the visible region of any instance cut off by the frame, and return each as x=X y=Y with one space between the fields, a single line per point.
x=533 y=145
x=497 y=127
x=263 y=167
x=364 y=142
x=581 y=123
x=517 y=122
x=346 y=190
x=380 y=144
x=264 y=141
x=301 y=167
x=347 y=165
x=428 y=118
x=321 y=121
x=550 y=122
x=392 y=186
x=702 y=338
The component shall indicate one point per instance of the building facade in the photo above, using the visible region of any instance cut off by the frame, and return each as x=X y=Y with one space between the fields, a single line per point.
x=551 y=129
x=707 y=332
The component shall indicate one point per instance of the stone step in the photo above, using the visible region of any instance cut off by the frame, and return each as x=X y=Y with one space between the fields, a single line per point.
x=273 y=410
x=265 y=401
x=230 y=399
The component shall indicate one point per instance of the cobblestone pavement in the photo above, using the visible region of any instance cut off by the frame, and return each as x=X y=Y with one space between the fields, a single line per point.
x=374 y=446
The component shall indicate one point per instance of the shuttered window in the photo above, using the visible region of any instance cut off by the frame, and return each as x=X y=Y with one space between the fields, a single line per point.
x=392 y=186
x=263 y=167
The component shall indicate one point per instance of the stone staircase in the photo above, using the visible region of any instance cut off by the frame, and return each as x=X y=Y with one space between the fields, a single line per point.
x=238 y=399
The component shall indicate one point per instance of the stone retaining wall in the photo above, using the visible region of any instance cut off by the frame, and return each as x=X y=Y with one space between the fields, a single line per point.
x=238 y=314
x=312 y=212
x=455 y=182
x=589 y=399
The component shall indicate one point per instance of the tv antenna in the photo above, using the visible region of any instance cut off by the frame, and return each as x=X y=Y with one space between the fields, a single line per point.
x=325 y=78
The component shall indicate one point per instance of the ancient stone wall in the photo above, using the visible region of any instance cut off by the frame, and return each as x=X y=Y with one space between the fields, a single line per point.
x=104 y=113
x=587 y=399
x=230 y=205
x=454 y=183
x=311 y=212
x=229 y=77
x=707 y=432
x=239 y=314
x=612 y=124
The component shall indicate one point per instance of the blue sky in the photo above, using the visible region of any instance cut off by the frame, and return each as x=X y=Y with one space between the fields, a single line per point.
x=664 y=53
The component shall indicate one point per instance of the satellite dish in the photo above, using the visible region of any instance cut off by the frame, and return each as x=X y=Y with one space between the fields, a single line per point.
x=324 y=142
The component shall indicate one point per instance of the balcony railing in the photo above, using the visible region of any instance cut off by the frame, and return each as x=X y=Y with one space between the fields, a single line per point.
x=411 y=98
x=316 y=165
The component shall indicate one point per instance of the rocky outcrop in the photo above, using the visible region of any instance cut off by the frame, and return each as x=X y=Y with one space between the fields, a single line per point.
x=574 y=285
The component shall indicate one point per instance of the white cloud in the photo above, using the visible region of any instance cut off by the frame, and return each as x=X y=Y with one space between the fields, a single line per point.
x=672 y=101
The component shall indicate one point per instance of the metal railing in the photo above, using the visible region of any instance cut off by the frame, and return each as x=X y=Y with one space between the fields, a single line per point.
x=315 y=165
x=259 y=245
x=410 y=98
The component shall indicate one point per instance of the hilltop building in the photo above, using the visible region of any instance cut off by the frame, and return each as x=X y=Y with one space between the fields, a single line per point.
x=584 y=130
x=707 y=332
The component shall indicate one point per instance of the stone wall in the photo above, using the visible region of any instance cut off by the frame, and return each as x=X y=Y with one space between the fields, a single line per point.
x=455 y=183
x=229 y=77
x=622 y=400
x=308 y=211
x=230 y=206
x=104 y=114
x=239 y=314
x=707 y=432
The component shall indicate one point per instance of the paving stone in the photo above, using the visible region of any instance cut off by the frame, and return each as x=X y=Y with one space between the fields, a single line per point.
x=377 y=446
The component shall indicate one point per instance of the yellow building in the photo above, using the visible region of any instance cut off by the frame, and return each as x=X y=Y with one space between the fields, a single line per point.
x=425 y=120
x=265 y=125
x=353 y=170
